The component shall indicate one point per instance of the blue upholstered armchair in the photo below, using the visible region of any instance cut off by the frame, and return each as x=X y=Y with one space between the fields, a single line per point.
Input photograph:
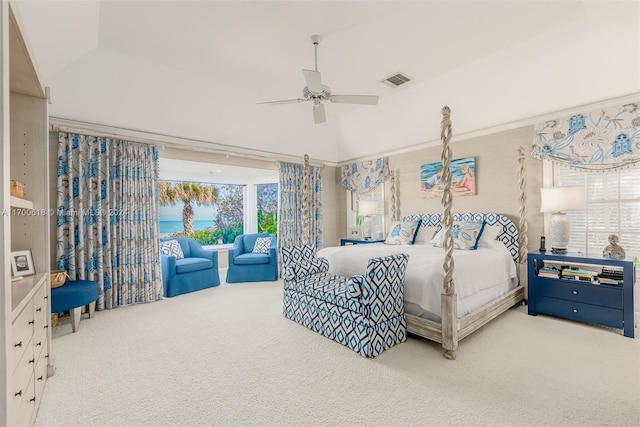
x=247 y=266
x=196 y=269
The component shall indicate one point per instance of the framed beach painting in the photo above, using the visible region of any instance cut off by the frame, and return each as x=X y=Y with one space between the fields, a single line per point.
x=463 y=178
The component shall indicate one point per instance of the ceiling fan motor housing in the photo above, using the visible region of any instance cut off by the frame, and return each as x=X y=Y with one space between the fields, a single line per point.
x=308 y=94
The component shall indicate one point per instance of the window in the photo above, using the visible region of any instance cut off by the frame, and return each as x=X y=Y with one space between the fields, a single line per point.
x=215 y=220
x=613 y=207
x=240 y=192
x=267 y=208
x=377 y=220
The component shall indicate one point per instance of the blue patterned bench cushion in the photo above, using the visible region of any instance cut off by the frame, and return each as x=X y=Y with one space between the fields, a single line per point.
x=305 y=268
x=333 y=289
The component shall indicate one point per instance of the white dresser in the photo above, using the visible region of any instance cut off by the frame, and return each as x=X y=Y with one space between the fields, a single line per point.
x=30 y=351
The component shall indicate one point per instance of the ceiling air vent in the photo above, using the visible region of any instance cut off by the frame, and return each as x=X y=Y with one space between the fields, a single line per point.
x=396 y=80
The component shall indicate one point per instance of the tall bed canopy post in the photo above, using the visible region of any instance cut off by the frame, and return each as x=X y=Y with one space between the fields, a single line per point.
x=522 y=234
x=448 y=296
x=395 y=214
x=306 y=232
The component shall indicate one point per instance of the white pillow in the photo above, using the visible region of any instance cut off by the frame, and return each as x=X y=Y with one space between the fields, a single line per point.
x=425 y=234
x=490 y=233
x=402 y=232
x=466 y=234
x=171 y=247
x=262 y=246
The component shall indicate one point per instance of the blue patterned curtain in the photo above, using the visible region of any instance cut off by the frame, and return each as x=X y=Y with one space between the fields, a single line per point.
x=605 y=139
x=107 y=217
x=365 y=176
x=290 y=214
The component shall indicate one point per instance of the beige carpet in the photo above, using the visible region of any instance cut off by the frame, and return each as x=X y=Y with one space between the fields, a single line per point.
x=226 y=356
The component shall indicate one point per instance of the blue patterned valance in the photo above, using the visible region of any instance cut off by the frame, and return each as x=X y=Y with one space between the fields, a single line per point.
x=605 y=139
x=363 y=177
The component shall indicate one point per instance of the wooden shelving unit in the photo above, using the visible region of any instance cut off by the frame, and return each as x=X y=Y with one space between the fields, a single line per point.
x=18 y=203
x=25 y=309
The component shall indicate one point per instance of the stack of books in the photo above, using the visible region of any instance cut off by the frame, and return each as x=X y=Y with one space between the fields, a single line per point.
x=577 y=274
x=610 y=276
x=549 y=272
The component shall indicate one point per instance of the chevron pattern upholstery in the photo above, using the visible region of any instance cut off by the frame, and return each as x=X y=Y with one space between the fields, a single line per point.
x=508 y=236
x=364 y=312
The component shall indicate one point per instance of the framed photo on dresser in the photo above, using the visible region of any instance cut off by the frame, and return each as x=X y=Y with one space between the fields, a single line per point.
x=22 y=263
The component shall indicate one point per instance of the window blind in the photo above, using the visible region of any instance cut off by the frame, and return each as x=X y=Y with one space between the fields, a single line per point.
x=613 y=207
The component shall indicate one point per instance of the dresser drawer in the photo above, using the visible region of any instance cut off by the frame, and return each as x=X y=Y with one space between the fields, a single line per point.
x=580 y=311
x=21 y=333
x=580 y=292
x=39 y=341
x=40 y=376
x=23 y=371
x=24 y=415
x=40 y=305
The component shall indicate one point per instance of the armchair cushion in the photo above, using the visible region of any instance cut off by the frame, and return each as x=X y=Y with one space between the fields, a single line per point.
x=171 y=247
x=187 y=265
x=262 y=246
x=251 y=258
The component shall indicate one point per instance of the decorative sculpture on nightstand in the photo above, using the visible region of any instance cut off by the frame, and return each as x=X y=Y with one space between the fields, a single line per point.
x=613 y=249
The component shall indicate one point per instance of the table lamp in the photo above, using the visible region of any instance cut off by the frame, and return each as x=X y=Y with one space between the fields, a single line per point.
x=366 y=208
x=559 y=200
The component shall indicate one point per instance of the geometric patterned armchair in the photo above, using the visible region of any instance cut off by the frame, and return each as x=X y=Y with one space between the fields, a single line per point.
x=363 y=312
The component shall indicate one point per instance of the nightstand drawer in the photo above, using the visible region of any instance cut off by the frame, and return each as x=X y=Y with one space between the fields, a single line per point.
x=580 y=292
x=579 y=311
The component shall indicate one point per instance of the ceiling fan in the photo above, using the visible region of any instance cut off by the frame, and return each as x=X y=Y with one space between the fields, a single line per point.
x=316 y=92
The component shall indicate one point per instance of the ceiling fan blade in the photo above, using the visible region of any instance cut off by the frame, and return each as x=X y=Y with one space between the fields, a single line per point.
x=318 y=113
x=286 y=101
x=355 y=99
x=314 y=82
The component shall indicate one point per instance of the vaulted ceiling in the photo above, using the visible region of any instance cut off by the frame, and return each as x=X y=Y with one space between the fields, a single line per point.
x=196 y=69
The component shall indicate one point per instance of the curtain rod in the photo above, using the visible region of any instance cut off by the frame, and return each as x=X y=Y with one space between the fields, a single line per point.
x=57 y=124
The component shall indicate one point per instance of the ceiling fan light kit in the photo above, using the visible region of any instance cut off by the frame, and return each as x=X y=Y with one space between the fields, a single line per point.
x=317 y=92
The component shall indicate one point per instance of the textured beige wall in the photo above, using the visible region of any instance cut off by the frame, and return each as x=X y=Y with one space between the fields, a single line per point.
x=334 y=207
x=496 y=179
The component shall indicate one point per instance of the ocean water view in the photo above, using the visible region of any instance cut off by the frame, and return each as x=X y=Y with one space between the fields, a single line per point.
x=169 y=227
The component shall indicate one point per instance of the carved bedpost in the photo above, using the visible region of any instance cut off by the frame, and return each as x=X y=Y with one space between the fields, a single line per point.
x=523 y=240
x=394 y=203
x=306 y=235
x=449 y=302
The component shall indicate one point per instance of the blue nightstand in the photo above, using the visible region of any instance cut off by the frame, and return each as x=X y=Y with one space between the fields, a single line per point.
x=358 y=241
x=585 y=301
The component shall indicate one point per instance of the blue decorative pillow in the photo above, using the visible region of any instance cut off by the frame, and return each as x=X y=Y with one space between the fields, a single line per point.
x=466 y=235
x=403 y=232
x=262 y=246
x=171 y=247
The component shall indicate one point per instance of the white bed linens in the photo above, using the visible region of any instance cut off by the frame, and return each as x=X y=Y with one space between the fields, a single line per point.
x=479 y=275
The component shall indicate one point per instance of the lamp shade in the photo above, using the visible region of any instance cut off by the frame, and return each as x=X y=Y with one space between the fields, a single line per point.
x=562 y=199
x=368 y=207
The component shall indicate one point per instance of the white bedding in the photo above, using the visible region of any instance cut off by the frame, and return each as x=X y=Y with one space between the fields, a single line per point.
x=479 y=275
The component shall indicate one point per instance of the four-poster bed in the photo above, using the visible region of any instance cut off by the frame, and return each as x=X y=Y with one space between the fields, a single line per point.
x=447 y=326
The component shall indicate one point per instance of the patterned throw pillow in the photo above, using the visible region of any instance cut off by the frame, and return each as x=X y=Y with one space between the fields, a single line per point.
x=425 y=234
x=171 y=247
x=262 y=246
x=402 y=232
x=465 y=235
